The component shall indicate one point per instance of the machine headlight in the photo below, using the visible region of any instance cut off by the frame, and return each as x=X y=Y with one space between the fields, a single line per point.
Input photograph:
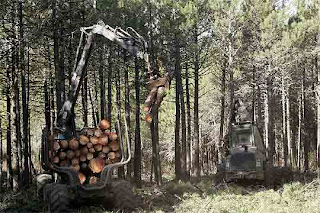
x=258 y=162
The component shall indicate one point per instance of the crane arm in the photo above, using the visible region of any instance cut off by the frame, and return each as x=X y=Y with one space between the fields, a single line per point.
x=133 y=43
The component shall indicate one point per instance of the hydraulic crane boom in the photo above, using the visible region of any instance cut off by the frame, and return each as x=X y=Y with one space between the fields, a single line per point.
x=133 y=43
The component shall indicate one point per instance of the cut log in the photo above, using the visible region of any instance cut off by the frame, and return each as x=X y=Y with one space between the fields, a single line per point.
x=105 y=149
x=55 y=159
x=84 y=150
x=64 y=163
x=73 y=144
x=70 y=154
x=83 y=140
x=89 y=132
x=89 y=145
x=92 y=150
x=98 y=133
x=98 y=147
x=114 y=146
x=94 y=140
x=146 y=109
x=75 y=161
x=111 y=155
x=113 y=136
x=76 y=168
x=93 y=180
x=51 y=138
x=77 y=152
x=82 y=177
x=115 y=160
x=84 y=166
x=83 y=157
x=101 y=155
x=103 y=140
x=118 y=154
x=108 y=161
x=89 y=156
x=55 y=146
x=148 y=118
x=64 y=144
x=96 y=165
x=104 y=124
x=62 y=155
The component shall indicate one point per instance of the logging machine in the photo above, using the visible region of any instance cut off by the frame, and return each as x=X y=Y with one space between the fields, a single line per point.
x=246 y=155
x=74 y=155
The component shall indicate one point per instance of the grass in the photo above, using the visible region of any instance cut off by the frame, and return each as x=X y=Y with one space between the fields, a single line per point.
x=200 y=197
x=293 y=197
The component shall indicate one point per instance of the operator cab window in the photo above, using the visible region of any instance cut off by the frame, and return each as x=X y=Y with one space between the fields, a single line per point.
x=241 y=138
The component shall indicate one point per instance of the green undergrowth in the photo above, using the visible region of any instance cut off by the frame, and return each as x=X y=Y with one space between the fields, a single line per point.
x=203 y=196
x=292 y=197
x=24 y=200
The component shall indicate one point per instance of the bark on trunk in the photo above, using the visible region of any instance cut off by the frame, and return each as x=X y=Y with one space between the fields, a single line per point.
x=9 y=142
x=102 y=89
x=196 y=163
x=284 y=129
x=137 y=142
x=109 y=89
x=118 y=103
x=127 y=109
x=25 y=106
x=177 y=148
x=188 y=124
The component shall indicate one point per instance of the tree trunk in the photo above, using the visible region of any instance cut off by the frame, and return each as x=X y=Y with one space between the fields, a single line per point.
x=118 y=103
x=127 y=109
x=109 y=89
x=25 y=106
x=137 y=142
x=271 y=127
x=222 y=112
x=84 y=98
x=318 y=115
x=188 y=124
x=58 y=72
x=9 y=149
x=94 y=121
x=1 y=157
x=102 y=88
x=196 y=166
x=183 y=132
x=289 y=144
x=16 y=106
x=304 y=125
x=284 y=129
x=155 y=147
x=96 y=100
x=177 y=148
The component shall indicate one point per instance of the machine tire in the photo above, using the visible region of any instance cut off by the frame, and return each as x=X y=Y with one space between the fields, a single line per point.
x=123 y=196
x=41 y=181
x=57 y=198
x=287 y=174
x=269 y=175
x=277 y=177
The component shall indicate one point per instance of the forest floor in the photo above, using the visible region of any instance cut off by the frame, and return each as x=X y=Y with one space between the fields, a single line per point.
x=204 y=196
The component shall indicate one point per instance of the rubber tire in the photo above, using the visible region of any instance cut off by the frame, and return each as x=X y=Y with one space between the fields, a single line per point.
x=41 y=181
x=269 y=173
x=57 y=198
x=123 y=196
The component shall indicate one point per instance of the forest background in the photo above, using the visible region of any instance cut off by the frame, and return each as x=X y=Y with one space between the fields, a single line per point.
x=264 y=53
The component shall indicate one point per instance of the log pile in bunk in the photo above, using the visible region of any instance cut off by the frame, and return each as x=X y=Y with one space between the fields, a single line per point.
x=89 y=153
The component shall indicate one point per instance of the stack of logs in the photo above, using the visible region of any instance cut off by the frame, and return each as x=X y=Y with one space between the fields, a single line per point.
x=89 y=153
